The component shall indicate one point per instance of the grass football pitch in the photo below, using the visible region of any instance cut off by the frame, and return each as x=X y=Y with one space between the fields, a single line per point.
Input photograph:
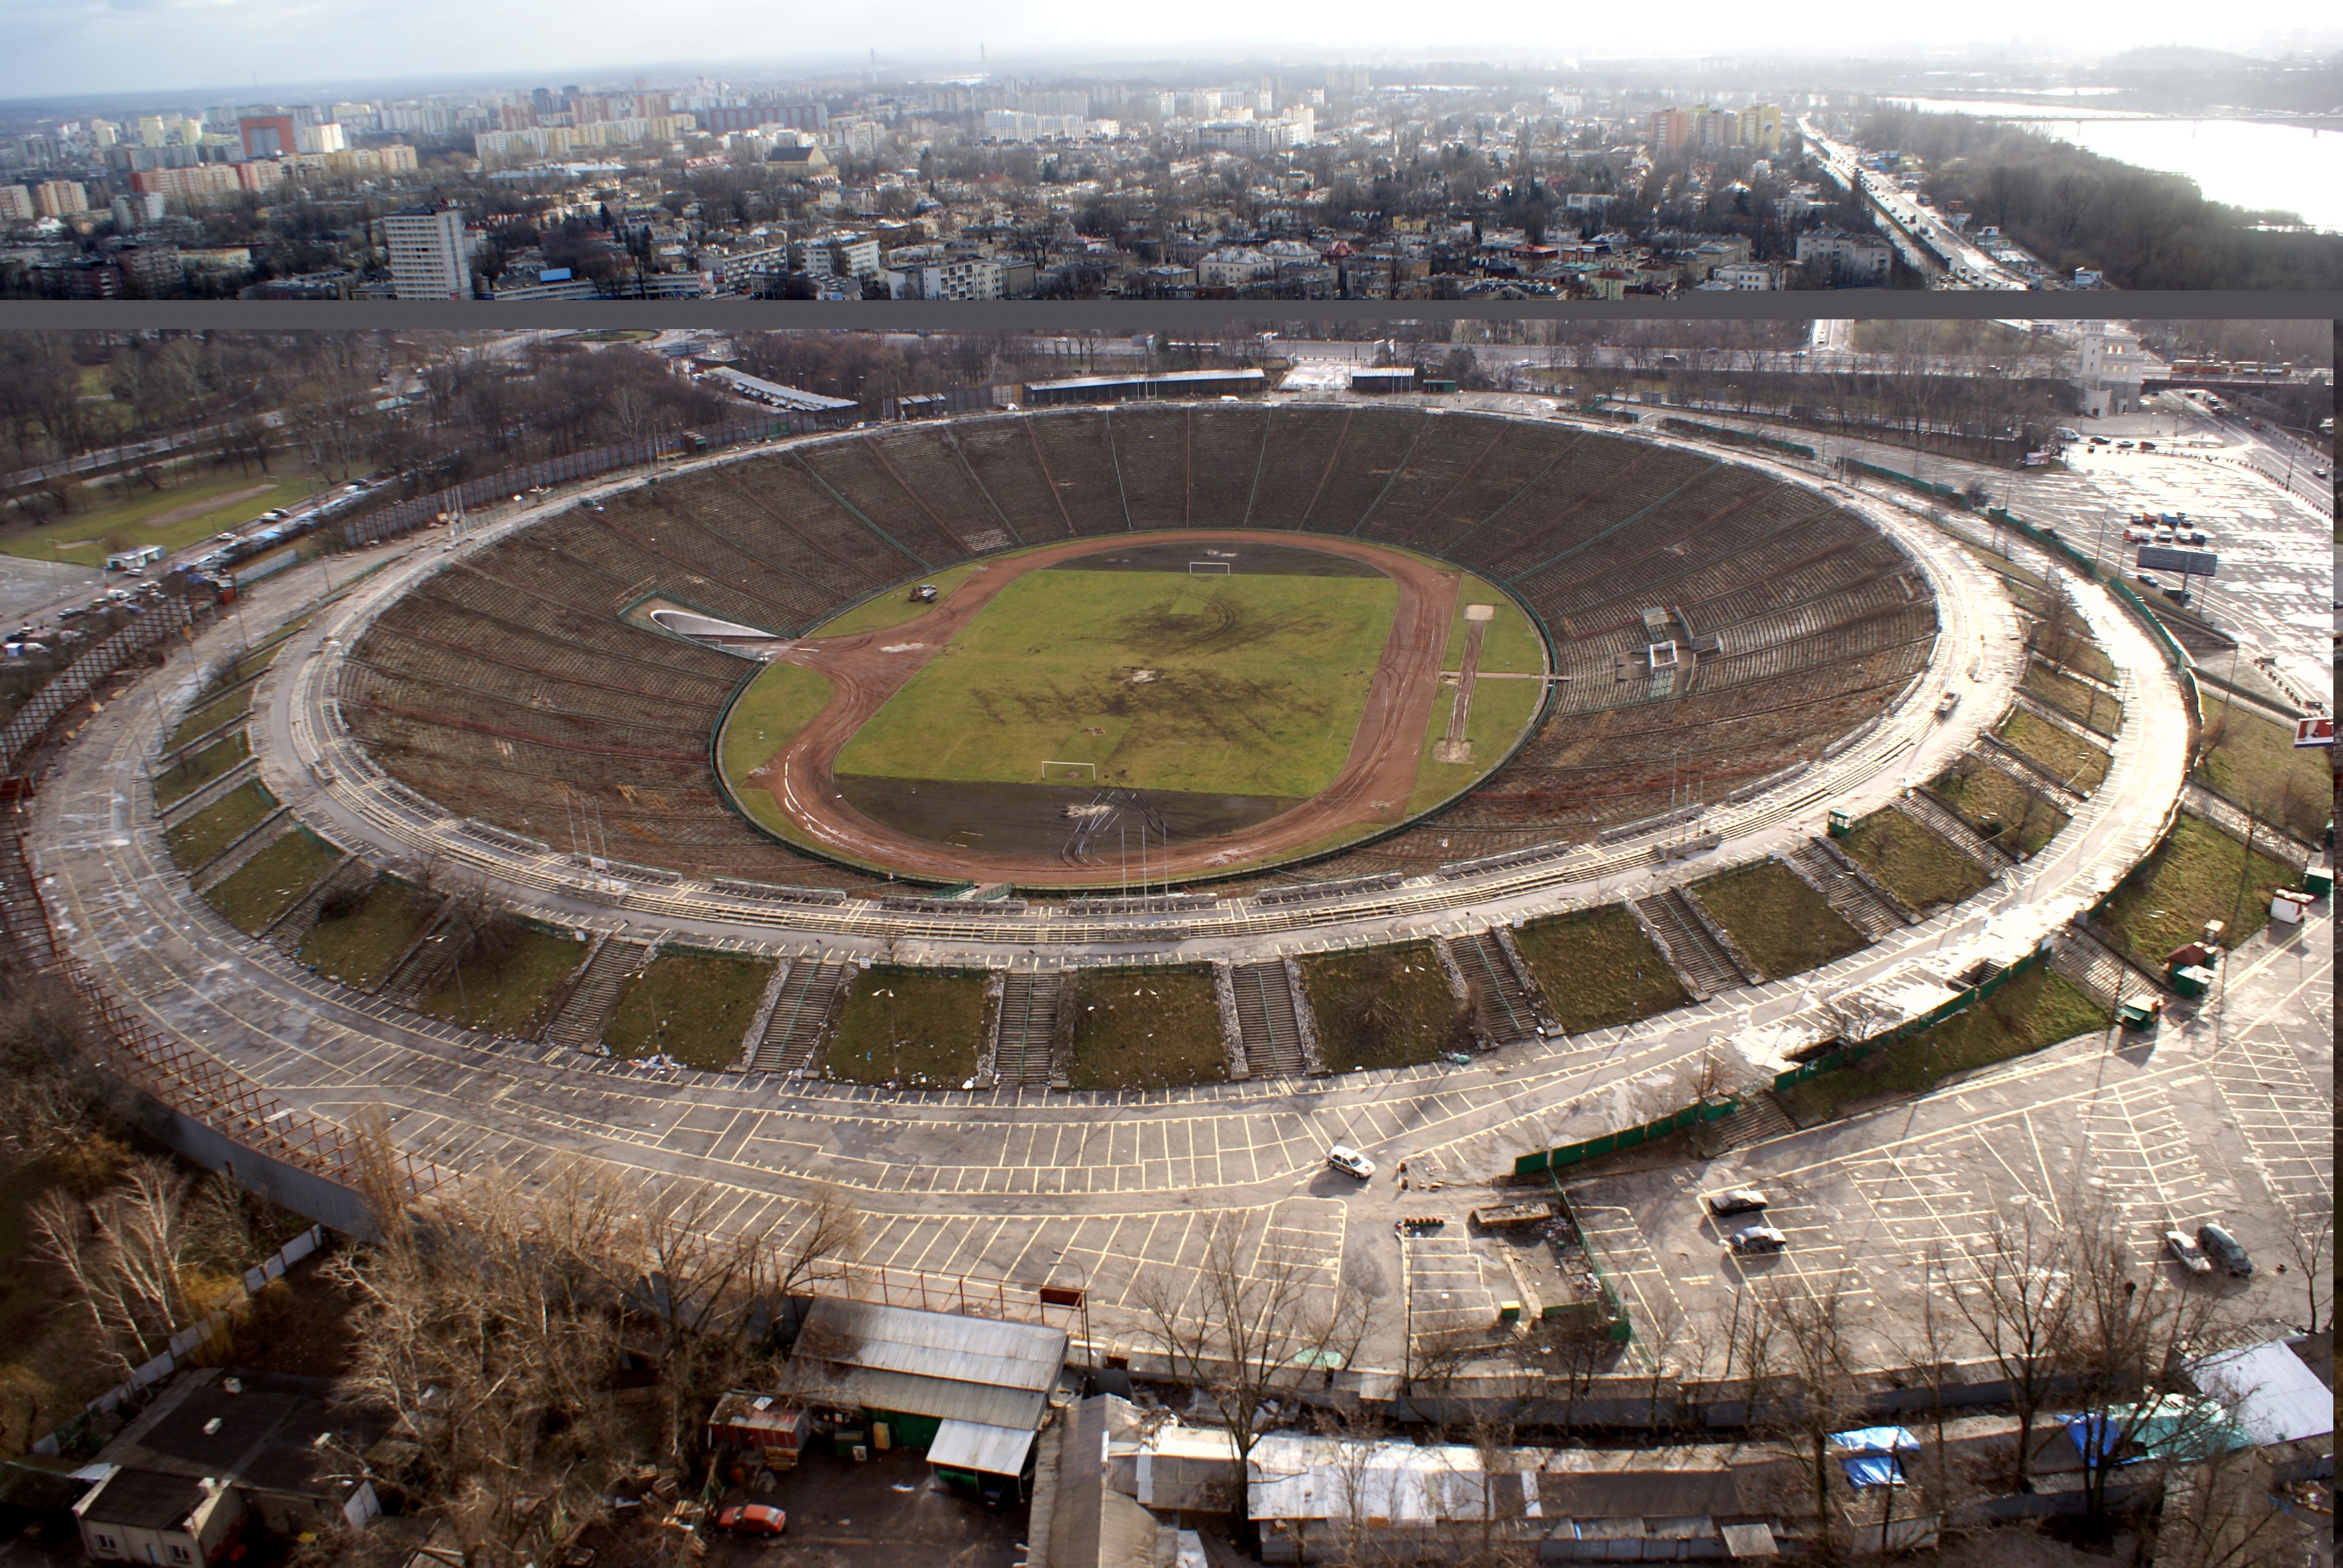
x=1238 y=685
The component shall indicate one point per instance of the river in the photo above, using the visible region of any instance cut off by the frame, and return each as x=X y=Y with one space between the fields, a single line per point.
x=2246 y=163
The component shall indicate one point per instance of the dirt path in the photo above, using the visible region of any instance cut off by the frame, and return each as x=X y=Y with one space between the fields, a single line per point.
x=1371 y=787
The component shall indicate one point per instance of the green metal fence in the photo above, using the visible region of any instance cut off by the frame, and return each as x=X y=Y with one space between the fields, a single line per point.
x=1626 y=1138
x=1617 y=1325
x=1925 y=486
x=1847 y=1055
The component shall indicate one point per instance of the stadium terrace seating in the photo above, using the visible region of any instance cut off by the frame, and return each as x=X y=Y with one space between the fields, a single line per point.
x=507 y=685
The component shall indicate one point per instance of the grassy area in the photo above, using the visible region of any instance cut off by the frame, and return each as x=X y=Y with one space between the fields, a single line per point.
x=2251 y=760
x=1242 y=685
x=1780 y=922
x=1386 y=1007
x=775 y=706
x=174 y=518
x=2027 y=589
x=896 y=606
x=693 y=1007
x=1924 y=870
x=1147 y=1029
x=192 y=772
x=910 y=1027
x=2080 y=763
x=1597 y=969
x=2084 y=654
x=2194 y=876
x=210 y=717
x=2085 y=705
x=2029 y=1013
x=221 y=823
x=357 y=945
x=506 y=986
x=269 y=883
x=1996 y=805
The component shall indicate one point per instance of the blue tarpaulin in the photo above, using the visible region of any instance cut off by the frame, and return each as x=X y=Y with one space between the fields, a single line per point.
x=1877 y=1440
x=1872 y=1470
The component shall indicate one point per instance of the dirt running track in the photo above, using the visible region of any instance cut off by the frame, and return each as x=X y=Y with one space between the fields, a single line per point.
x=1371 y=787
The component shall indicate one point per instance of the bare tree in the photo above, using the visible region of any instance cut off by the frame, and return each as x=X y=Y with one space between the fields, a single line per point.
x=1812 y=1336
x=2018 y=1299
x=1246 y=1332
x=2309 y=1237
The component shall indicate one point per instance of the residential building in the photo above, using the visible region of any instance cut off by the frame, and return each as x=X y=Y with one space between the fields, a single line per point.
x=267 y=136
x=16 y=204
x=427 y=259
x=60 y=198
x=1753 y=275
x=1851 y=258
x=319 y=138
x=1234 y=268
x=1670 y=130
x=138 y=211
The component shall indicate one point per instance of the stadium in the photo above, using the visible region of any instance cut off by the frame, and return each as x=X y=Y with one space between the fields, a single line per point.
x=1293 y=643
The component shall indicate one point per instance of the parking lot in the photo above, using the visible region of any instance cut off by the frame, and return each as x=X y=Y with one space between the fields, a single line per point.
x=2225 y=1116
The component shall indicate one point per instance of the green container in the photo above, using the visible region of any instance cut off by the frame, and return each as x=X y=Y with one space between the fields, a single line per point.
x=2319 y=880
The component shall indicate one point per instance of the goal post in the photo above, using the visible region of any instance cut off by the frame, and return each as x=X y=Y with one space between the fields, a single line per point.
x=1197 y=568
x=1072 y=770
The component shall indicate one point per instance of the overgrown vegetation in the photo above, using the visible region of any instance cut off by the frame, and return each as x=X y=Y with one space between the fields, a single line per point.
x=1597 y=969
x=1780 y=922
x=207 y=832
x=2198 y=873
x=908 y=1028
x=1386 y=1007
x=2084 y=703
x=506 y=978
x=693 y=1007
x=2015 y=817
x=2256 y=763
x=2036 y=1010
x=192 y=772
x=272 y=880
x=1147 y=1029
x=361 y=933
x=1922 y=870
x=2081 y=765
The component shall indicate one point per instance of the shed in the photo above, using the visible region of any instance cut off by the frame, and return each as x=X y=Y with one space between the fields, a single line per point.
x=2276 y=1398
x=921 y=1372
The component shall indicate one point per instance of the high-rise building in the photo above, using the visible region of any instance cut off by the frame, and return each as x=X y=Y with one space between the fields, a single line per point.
x=325 y=137
x=1670 y=129
x=60 y=198
x=426 y=254
x=16 y=204
x=267 y=136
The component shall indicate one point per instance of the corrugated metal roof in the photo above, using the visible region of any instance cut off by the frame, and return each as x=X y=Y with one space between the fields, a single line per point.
x=972 y=1445
x=933 y=1344
x=859 y=1388
x=2279 y=1399
x=1169 y=378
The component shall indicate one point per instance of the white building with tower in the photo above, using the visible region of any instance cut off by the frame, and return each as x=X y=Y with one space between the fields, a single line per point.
x=2109 y=366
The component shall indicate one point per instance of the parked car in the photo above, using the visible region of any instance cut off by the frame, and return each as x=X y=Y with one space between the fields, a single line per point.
x=2224 y=1250
x=2147 y=446
x=752 y=1519
x=1737 y=1201
x=2188 y=1253
x=2124 y=445
x=1350 y=1161
x=224 y=538
x=2099 y=440
x=2138 y=535
x=1758 y=1239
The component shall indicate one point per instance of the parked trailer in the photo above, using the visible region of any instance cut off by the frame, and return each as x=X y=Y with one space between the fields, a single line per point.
x=1511 y=1216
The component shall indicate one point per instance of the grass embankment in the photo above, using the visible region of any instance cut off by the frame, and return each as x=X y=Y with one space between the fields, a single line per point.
x=176 y=518
x=210 y=717
x=2197 y=874
x=208 y=831
x=1923 y=870
x=2029 y=1013
x=2086 y=704
x=1780 y=922
x=2254 y=762
x=507 y=983
x=1147 y=1029
x=2027 y=589
x=272 y=881
x=193 y=772
x=1501 y=708
x=1597 y=969
x=693 y=1007
x=1386 y=1007
x=896 y=606
x=777 y=704
x=2081 y=764
x=913 y=1028
x=356 y=943
x=1996 y=805
x=1242 y=685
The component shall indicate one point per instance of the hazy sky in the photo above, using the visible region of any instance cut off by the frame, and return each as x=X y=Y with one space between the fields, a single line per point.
x=82 y=46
